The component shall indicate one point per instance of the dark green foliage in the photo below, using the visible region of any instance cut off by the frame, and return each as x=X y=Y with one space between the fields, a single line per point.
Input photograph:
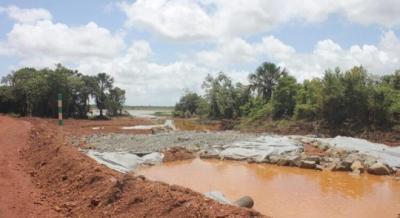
x=351 y=99
x=284 y=97
x=29 y=91
x=308 y=100
x=221 y=96
x=115 y=101
x=264 y=80
x=190 y=104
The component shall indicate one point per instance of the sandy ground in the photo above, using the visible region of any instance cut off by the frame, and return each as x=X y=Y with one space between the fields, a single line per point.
x=19 y=197
x=44 y=176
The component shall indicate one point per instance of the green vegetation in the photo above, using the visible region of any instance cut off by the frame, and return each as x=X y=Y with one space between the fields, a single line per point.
x=29 y=91
x=352 y=99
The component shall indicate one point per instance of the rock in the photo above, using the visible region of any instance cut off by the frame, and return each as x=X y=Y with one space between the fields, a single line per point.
x=245 y=201
x=218 y=196
x=379 y=169
x=355 y=172
x=291 y=160
x=331 y=166
x=369 y=161
x=357 y=166
x=397 y=174
x=319 y=167
x=273 y=159
x=283 y=162
x=314 y=158
x=342 y=166
x=308 y=164
x=209 y=154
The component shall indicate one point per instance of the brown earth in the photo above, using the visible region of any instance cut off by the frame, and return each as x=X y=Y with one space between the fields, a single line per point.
x=177 y=153
x=19 y=197
x=65 y=182
x=85 y=127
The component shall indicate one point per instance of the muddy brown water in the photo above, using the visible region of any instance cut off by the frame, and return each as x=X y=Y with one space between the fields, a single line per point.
x=285 y=191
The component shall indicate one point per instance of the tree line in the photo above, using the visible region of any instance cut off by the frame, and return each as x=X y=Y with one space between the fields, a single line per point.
x=352 y=98
x=29 y=91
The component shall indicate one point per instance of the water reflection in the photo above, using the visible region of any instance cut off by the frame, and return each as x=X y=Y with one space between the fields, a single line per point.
x=286 y=191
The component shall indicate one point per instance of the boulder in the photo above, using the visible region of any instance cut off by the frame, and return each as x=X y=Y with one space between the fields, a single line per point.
x=397 y=174
x=379 y=169
x=342 y=166
x=308 y=164
x=357 y=166
x=274 y=158
x=282 y=162
x=209 y=154
x=319 y=167
x=289 y=160
x=355 y=172
x=369 y=161
x=245 y=201
x=314 y=158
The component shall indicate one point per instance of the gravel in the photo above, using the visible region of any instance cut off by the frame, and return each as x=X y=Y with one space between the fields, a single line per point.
x=157 y=142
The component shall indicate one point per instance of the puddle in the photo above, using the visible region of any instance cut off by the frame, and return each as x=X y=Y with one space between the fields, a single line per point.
x=285 y=191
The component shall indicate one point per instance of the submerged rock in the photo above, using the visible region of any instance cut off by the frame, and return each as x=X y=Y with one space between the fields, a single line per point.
x=379 y=169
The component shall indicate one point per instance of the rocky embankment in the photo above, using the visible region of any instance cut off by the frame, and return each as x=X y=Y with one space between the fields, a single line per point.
x=336 y=154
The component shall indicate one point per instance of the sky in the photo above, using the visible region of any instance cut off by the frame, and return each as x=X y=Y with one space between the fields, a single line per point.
x=159 y=49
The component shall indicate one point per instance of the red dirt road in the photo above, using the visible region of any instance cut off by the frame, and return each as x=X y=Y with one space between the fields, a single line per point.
x=18 y=195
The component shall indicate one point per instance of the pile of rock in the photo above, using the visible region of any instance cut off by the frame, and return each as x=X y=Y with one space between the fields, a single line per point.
x=335 y=160
x=331 y=158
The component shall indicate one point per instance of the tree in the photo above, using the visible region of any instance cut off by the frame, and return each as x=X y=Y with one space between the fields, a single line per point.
x=29 y=91
x=309 y=100
x=188 y=104
x=264 y=80
x=104 y=85
x=221 y=96
x=115 y=101
x=284 y=97
x=7 y=99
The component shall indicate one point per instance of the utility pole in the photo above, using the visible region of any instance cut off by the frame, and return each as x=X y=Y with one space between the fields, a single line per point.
x=60 y=117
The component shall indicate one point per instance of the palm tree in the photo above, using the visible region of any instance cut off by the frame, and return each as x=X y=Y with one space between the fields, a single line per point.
x=265 y=79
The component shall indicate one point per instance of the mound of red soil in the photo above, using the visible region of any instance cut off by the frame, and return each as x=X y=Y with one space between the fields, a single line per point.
x=77 y=186
x=19 y=197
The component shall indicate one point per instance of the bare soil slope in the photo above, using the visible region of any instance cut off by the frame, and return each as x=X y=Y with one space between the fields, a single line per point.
x=74 y=185
x=18 y=195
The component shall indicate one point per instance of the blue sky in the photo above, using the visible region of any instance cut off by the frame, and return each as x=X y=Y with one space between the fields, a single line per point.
x=158 y=49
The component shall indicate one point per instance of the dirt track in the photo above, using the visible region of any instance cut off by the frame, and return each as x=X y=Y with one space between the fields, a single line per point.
x=19 y=197
x=47 y=177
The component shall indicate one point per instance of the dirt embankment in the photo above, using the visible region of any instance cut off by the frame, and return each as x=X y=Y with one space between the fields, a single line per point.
x=74 y=185
x=19 y=197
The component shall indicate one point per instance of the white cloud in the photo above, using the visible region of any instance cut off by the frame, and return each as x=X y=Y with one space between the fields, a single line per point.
x=26 y=15
x=38 y=41
x=384 y=12
x=45 y=42
x=92 y=49
x=378 y=59
x=195 y=19
x=228 y=51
